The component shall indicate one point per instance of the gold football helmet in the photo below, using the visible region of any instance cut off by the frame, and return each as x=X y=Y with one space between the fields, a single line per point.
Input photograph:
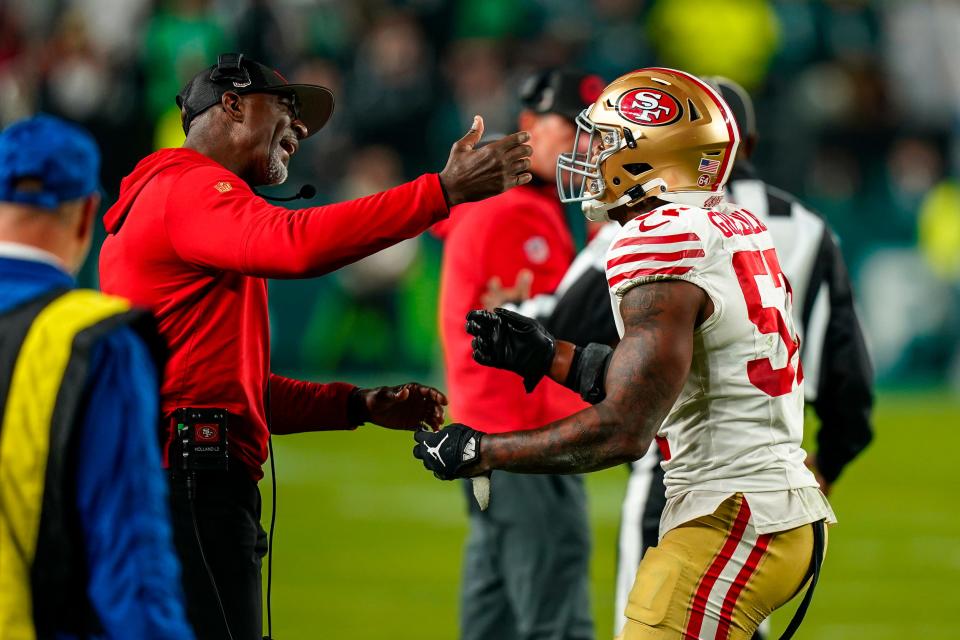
x=652 y=133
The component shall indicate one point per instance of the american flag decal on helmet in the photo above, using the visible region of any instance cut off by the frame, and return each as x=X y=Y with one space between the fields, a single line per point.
x=709 y=166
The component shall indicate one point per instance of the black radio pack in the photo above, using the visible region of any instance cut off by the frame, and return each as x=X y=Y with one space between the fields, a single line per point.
x=202 y=436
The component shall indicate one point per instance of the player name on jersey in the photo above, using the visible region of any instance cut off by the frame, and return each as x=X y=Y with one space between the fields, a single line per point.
x=740 y=222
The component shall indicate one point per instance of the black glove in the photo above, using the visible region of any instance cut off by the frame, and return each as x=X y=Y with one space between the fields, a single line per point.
x=449 y=451
x=507 y=340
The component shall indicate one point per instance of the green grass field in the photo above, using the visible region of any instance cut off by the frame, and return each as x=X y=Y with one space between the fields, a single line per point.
x=368 y=544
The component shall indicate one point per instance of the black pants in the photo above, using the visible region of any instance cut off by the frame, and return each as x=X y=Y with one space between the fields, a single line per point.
x=227 y=508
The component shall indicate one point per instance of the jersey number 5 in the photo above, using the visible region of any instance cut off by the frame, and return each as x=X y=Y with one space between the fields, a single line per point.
x=748 y=265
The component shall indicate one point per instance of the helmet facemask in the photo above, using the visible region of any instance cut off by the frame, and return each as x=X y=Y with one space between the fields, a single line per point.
x=579 y=174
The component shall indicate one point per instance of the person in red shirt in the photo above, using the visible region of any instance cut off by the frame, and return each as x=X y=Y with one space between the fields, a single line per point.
x=190 y=240
x=527 y=557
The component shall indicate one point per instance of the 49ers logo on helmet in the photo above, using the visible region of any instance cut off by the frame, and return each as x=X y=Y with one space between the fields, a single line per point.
x=650 y=107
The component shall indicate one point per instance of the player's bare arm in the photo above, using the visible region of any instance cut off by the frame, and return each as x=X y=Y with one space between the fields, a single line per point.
x=644 y=378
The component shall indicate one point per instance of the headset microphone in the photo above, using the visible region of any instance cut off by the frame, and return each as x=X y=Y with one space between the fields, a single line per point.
x=306 y=192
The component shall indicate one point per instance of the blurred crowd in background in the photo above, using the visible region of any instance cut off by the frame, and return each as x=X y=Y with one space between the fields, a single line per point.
x=858 y=107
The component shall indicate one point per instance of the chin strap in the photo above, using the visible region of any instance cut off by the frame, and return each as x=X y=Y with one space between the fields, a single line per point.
x=596 y=211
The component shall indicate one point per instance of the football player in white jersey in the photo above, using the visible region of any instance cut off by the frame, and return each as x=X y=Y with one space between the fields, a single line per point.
x=707 y=366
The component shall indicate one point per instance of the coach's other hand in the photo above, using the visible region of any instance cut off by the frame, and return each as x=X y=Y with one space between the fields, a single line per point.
x=474 y=174
x=407 y=406
x=498 y=295
x=507 y=340
x=453 y=452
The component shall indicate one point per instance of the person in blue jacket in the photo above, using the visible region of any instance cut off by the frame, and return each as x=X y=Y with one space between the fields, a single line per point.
x=85 y=542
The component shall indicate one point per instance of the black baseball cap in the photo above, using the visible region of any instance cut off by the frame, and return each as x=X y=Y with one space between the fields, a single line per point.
x=233 y=72
x=562 y=91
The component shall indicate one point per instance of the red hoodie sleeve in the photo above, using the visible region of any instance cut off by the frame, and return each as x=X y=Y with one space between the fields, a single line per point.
x=214 y=220
x=297 y=406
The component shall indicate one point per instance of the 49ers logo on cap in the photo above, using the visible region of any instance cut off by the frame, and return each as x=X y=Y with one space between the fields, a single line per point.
x=651 y=107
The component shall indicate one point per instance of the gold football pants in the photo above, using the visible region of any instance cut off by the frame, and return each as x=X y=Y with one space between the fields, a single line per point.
x=715 y=578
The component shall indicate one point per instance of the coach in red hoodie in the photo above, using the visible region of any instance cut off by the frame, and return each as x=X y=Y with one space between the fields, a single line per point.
x=189 y=239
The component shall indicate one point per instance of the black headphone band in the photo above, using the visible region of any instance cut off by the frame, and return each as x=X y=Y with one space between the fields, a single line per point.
x=230 y=67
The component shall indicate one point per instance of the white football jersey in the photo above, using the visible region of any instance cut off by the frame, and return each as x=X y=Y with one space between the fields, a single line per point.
x=738 y=423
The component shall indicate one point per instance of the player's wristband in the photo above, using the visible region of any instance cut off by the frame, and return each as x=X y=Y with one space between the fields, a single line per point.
x=588 y=371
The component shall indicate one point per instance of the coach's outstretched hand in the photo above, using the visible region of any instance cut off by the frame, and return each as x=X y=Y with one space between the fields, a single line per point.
x=474 y=174
x=407 y=406
x=452 y=452
x=507 y=340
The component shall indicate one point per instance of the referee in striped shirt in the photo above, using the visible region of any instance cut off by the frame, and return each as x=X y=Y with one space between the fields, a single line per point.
x=837 y=371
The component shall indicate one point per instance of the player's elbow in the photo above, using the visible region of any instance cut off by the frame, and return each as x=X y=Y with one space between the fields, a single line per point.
x=628 y=433
x=631 y=439
x=635 y=440
x=643 y=447
x=638 y=448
